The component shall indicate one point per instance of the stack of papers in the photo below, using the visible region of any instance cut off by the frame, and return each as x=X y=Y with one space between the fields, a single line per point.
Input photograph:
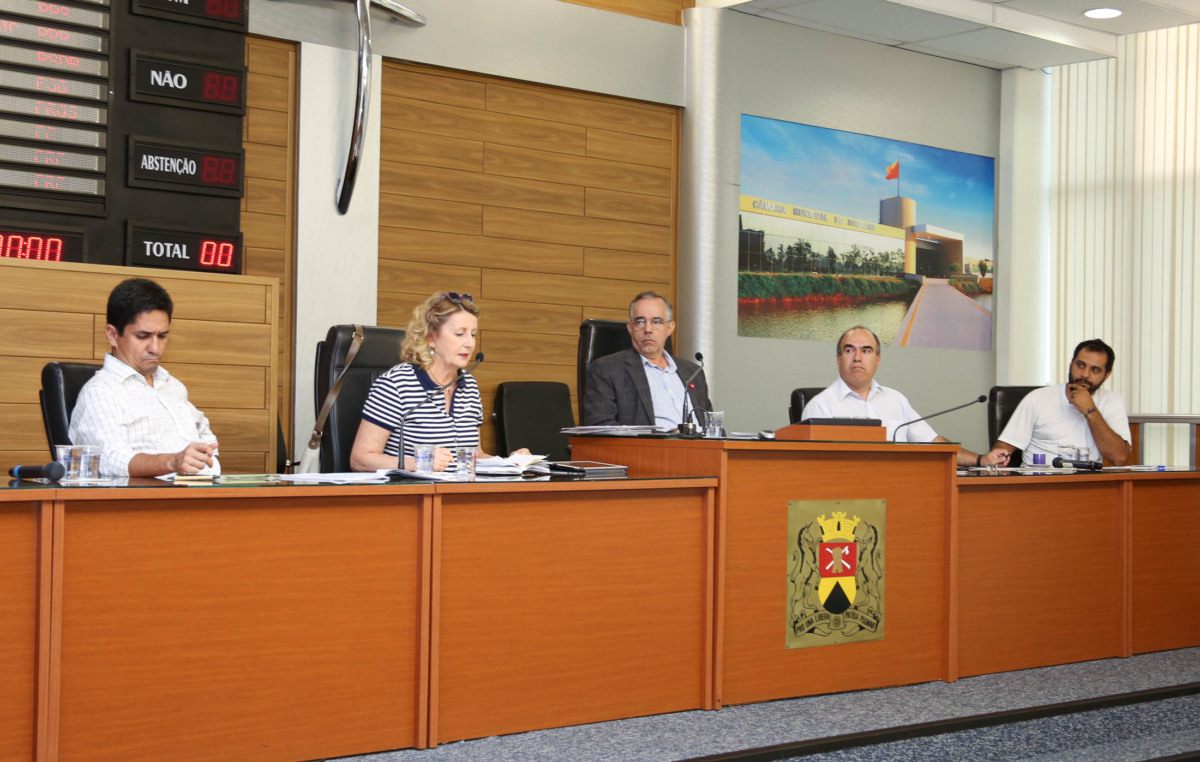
x=513 y=465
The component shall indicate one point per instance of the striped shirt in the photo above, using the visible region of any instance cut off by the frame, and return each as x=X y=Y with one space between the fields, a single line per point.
x=405 y=386
x=119 y=411
x=666 y=392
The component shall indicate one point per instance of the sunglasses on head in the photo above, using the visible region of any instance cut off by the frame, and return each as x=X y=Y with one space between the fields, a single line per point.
x=456 y=298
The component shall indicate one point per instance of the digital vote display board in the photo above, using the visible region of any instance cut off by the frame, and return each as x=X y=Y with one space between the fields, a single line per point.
x=121 y=132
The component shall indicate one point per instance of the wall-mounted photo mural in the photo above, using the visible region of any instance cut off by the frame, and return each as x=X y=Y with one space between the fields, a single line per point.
x=838 y=229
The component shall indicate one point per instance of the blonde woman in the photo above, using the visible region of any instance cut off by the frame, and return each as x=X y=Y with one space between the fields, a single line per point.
x=439 y=341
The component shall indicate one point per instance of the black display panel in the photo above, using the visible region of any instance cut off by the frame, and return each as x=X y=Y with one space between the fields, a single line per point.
x=42 y=243
x=170 y=165
x=150 y=245
x=56 y=13
x=28 y=31
x=223 y=14
x=66 y=63
x=186 y=82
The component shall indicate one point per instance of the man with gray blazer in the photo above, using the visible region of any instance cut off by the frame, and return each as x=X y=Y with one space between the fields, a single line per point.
x=643 y=386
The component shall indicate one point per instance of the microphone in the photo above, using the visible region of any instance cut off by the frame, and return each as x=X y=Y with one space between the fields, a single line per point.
x=976 y=401
x=52 y=471
x=458 y=376
x=1081 y=465
x=686 y=427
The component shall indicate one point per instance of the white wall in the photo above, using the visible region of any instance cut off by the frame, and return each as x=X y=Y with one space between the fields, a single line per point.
x=545 y=41
x=337 y=259
x=742 y=64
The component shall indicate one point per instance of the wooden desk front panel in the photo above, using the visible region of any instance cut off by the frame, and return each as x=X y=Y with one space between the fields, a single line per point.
x=240 y=629
x=571 y=607
x=1040 y=574
x=757 y=664
x=18 y=628
x=1166 y=571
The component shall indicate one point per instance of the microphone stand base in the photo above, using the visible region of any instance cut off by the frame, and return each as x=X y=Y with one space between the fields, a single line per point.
x=689 y=431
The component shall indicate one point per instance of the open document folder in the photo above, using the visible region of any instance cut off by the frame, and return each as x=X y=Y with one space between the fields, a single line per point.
x=626 y=431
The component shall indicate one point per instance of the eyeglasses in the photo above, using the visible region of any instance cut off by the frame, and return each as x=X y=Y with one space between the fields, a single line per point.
x=456 y=298
x=655 y=323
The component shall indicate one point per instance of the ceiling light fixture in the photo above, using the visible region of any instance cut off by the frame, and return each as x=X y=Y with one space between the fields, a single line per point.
x=1102 y=13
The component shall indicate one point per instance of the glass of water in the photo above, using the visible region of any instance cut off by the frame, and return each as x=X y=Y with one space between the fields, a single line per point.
x=464 y=460
x=423 y=455
x=82 y=462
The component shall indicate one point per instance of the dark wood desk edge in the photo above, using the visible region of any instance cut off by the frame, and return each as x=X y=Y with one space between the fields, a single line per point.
x=1032 y=481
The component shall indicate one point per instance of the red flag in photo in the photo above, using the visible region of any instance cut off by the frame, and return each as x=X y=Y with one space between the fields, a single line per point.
x=893 y=171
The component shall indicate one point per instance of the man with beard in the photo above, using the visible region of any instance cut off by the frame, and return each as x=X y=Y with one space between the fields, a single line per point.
x=1077 y=414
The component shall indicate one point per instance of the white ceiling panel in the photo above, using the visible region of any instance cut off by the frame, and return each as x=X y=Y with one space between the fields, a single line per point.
x=879 y=18
x=1136 y=16
x=1008 y=48
x=858 y=35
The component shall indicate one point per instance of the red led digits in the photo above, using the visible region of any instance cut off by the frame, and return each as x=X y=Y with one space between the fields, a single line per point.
x=33 y=247
x=221 y=87
x=226 y=9
x=219 y=170
x=216 y=254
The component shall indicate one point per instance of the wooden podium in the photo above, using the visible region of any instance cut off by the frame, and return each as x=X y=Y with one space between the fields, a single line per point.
x=757 y=479
x=807 y=432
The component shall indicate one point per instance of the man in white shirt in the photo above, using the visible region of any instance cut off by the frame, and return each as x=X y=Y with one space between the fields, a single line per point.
x=1075 y=414
x=856 y=395
x=133 y=408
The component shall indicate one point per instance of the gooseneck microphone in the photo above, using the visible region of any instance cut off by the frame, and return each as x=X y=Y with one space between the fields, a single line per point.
x=1079 y=465
x=976 y=401
x=52 y=471
x=686 y=427
x=433 y=392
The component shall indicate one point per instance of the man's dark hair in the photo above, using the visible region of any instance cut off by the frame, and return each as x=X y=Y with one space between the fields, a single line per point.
x=133 y=297
x=838 y=349
x=1096 y=345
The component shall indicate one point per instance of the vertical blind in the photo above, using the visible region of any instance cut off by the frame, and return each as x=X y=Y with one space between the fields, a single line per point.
x=1124 y=206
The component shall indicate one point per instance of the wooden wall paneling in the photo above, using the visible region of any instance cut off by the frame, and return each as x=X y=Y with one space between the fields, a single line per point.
x=473 y=124
x=535 y=164
x=666 y=11
x=476 y=188
x=633 y=149
x=268 y=219
x=429 y=214
x=86 y=292
x=431 y=150
x=577 y=193
x=477 y=251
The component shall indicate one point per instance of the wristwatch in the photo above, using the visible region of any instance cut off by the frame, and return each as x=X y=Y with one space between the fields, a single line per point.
x=1085 y=415
x=978 y=460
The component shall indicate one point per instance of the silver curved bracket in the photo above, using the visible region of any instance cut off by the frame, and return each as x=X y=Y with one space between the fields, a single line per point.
x=362 y=99
x=398 y=10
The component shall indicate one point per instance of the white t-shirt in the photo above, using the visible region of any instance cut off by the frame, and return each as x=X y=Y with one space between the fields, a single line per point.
x=888 y=405
x=1046 y=419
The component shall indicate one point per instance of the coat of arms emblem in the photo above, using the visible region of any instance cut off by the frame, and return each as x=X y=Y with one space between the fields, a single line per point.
x=835 y=571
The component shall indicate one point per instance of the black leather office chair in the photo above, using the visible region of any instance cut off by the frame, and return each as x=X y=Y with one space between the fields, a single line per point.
x=800 y=398
x=1002 y=403
x=61 y=382
x=380 y=350
x=598 y=338
x=531 y=414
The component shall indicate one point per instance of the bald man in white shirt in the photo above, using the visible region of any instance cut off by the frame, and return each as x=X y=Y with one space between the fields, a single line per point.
x=855 y=394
